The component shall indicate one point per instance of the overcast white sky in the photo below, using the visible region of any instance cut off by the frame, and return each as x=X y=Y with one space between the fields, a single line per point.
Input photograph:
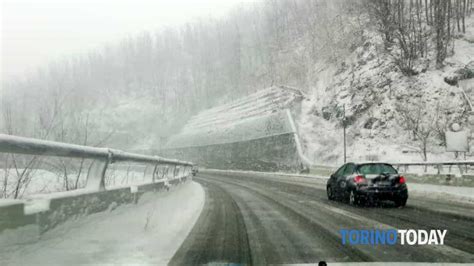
x=35 y=32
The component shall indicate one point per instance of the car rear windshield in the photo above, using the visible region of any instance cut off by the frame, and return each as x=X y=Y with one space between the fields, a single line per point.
x=376 y=169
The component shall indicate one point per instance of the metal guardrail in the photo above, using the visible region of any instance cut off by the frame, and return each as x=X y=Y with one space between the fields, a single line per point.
x=462 y=165
x=437 y=163
x=102 y=157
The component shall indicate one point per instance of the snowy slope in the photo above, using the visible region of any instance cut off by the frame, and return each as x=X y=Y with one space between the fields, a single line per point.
x=261 y=103
x=255 y=116
x=373 y=90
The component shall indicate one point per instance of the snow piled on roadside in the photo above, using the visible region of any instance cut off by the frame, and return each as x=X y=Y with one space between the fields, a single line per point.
x=148 y=233
x=463 y=194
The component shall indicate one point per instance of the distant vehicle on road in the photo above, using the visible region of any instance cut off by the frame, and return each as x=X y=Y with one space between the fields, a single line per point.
x=364 y=182
x=195 y=170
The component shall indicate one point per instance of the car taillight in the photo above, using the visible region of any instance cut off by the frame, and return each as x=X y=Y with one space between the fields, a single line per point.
x=359 y=179
x=401 y=180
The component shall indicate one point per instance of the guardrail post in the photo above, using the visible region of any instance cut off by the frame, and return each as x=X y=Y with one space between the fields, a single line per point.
x=164 y=174
x=173 y=171
x=96 y=175
x=166 y=171
x=460 y=170
x=155 y=173
x=144 y=172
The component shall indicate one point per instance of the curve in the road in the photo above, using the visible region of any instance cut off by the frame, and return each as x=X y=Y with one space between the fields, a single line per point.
x=265 y=220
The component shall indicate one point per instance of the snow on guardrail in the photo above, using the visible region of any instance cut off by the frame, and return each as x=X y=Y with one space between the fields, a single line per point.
x=47 y=211
x=102 y=156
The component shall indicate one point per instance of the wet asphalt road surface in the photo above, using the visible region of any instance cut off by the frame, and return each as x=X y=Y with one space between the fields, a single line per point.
x=264 y=219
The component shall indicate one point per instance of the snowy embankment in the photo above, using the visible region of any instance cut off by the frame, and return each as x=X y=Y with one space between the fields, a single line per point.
x=148 y=233
x=377 y=98
x=443 y=192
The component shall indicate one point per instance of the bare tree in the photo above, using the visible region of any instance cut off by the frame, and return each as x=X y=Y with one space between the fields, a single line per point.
x=401 y=23
x=442 y=18
x=421 y=125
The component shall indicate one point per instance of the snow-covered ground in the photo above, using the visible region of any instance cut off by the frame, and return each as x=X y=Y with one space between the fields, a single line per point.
x=44 y=181
x=373 y=90
x=239 y=120
x=265 y=100
x=453 y=192
x=148 y=233
x=41 y=181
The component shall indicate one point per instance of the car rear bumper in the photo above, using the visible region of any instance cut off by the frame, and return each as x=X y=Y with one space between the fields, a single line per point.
x=383 y=193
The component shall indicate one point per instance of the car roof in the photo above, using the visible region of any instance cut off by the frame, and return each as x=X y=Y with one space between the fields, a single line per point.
x=372 y=162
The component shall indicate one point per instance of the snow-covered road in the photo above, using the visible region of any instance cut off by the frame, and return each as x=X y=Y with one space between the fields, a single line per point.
x=148 y=233
x=261 y=219
x=454 y=193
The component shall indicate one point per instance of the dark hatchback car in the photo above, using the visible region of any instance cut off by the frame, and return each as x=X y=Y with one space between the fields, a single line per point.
x=360 y=183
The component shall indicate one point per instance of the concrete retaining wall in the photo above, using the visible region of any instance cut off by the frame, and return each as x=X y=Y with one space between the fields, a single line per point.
x=274 y=153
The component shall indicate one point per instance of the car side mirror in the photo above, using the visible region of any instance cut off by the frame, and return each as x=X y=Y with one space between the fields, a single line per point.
x=333 y=175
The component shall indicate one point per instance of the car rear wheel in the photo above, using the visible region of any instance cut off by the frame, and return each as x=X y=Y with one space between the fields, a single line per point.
x=330 y=193
x=355 y=199
x=352 y=198
x=400 y=202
